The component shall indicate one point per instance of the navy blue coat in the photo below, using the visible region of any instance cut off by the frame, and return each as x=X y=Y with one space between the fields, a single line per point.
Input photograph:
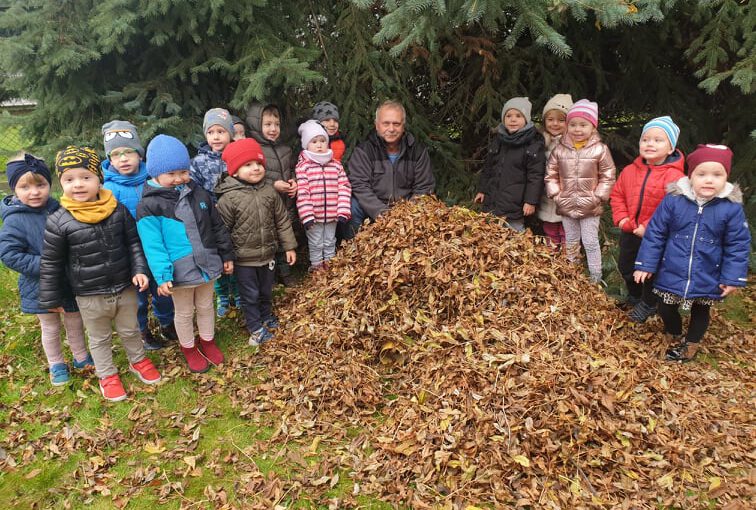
x=21 y=240
x=692 y=248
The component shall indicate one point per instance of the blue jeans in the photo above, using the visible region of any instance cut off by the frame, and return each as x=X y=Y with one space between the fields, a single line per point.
x=255 y=285
x=349 y=230
x=162 y=306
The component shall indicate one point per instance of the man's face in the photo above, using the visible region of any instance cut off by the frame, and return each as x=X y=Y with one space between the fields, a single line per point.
x=390 y=124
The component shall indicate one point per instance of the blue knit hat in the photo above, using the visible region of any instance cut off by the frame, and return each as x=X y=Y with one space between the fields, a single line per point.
x=667 y=125
x=166 y=154
x=14 y=170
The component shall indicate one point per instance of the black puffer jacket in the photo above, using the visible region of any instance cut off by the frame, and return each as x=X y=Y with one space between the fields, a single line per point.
x=99 y=258
x=513 y=173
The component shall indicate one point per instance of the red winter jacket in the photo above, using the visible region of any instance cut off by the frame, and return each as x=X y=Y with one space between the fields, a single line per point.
x=641 y=187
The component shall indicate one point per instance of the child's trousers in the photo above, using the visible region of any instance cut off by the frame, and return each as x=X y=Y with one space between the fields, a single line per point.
x=49 y=324
x=256 y=288
x=321 y=241
x=585 y=230
x=699 y=320
x=187 y=300
x=97 y=313
x=629 y=244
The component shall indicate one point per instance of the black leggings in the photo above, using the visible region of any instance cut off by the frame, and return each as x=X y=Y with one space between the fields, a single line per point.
x=699 y=320
x=629 y=244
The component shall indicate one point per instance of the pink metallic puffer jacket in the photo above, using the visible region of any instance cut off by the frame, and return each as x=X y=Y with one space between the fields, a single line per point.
x=579 y=181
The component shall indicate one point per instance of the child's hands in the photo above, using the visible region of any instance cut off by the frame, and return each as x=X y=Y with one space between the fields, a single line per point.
x=59 y=309
x=479 y=198
x=228 y=266
x=727 y=289
x=528 y=209
x=640 y=230
x=292 y=188
x=291 y=257
x=627 y=225
x=141 y=281
x=165 y=289
x=281 y=186
x=641 y=276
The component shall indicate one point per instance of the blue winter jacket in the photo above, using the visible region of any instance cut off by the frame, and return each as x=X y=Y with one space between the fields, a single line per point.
x=182 y=234
x=206 y=168
x=21 y=241
x=127 y=189
x=693 y=248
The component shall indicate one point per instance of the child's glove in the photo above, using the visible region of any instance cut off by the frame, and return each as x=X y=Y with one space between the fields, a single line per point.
x=342 y=219
x=629 y=226
x=308 y=224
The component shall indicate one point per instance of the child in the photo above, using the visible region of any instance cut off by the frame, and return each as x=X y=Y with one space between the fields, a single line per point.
x=328 y=115
x=696 y=246
x=554 y=126
x=240 y=130
x=579 y=177
x=206 y=169
x=264 y=122
x=512 y=178
x=257 y=219
x=125 y=174
x=187 y=247
x=639 y=190
x=323 y=193
x=92 y=244
x=24 y=215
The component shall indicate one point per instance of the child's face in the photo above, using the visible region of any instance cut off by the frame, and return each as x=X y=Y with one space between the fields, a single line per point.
x=514 y=120
x=239 y=132
x=708 y=179
x=555 y=122
x=580 y=129
x=80 y=184
x=173 y=179
x=271 y=127
x=125 y=160
x=32 y=190
x=251 y=172
x=217 y=138
x=654 y=146
x=331 y=126
x=318 y=145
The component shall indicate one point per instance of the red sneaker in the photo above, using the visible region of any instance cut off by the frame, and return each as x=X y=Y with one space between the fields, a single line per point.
x=211 y=351
x=112 y=389
x=145 y=371
x=194 y=358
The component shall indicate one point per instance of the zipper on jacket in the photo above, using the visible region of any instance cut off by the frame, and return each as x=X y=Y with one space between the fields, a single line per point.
x=692 y=246
x=642 y=190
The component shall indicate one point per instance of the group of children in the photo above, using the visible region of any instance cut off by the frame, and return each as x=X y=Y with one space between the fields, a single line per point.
x=684 y=239
x=158 y=227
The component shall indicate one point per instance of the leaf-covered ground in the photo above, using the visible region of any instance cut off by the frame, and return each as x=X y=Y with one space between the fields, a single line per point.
x=441 y=362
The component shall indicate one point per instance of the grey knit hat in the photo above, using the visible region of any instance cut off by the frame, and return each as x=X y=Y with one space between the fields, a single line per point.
x=521 y=104
x=121 y=133
x=218 y=117
x=325 y=110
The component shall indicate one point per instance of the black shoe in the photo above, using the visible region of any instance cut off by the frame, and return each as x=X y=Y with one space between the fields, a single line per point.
x=150 y=342
x=628 y=303
x=684 y=351
x=641 y=312
x=169 y=332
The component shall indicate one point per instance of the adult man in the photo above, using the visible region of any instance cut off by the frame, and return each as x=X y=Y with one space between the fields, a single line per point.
x=387 y=167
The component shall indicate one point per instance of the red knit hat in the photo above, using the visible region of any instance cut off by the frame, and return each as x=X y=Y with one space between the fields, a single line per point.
x=241 y=152
x=705 y=153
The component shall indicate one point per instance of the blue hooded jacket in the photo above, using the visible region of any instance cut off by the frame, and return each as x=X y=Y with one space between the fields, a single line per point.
x=127 y=189
x=21 y=241
x=692 y=249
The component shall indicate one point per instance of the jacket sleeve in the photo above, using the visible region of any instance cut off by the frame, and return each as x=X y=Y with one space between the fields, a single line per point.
x=283 y=226
x=535 y=168
x=304 y=200
x=736 y=246
x=486 y=173
x=551 y=180
x=360 y=173
x=655 y=238
x=222 y=237
x=52 y=266
x=617 y=197
x=134 y=244
x=606 y=173
x=343 y=207
x=425 y=183
x=150 y=229
x=14 y=251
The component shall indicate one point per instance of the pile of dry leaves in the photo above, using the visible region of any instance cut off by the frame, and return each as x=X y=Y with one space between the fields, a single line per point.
x=466 y=364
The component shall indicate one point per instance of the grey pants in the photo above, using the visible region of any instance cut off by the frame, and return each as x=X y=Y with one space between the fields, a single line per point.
x=321 y=241
x=99 y=313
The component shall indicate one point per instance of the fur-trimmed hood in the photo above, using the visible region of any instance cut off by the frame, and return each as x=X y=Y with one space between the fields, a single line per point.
x=731 y=192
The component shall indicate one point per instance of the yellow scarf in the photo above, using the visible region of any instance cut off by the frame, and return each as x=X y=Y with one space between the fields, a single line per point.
x=91 y=212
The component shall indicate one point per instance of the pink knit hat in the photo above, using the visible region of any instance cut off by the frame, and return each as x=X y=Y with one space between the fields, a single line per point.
x=584 y=109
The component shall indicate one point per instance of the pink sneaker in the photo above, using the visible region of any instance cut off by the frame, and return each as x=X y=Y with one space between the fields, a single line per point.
x=112 y=389
x=145 y=371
